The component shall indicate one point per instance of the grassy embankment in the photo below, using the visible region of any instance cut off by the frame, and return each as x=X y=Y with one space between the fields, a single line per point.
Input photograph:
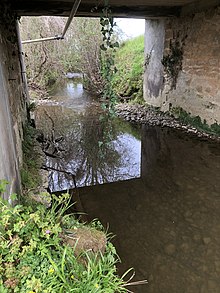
x=128 y=81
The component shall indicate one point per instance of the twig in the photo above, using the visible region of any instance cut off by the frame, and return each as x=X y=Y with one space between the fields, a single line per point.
x=143 y=282
x=42 y=64
x=62 y=171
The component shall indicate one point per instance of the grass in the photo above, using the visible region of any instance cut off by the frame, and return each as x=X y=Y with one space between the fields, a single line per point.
x=35 y=259
x=128 y=80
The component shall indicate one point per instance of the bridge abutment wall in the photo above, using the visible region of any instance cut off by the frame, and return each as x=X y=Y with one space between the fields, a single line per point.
x=183 y=54
x=13 y=101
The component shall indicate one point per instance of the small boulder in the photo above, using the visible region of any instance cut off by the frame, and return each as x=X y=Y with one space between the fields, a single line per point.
x=85 y=239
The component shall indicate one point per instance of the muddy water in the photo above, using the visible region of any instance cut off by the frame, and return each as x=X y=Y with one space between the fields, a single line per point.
x=166 y=215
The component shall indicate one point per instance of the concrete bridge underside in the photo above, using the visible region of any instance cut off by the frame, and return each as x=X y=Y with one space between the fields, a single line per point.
x=181 y=70
x=182 y=53
x=181 y=67
x=122 y=8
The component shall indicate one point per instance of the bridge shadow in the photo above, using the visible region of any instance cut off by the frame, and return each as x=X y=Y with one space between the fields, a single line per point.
x=167 y=223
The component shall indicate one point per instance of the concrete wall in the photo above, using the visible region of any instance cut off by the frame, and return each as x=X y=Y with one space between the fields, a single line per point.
x=191 y=47
x=154 y=48
x=12 y=102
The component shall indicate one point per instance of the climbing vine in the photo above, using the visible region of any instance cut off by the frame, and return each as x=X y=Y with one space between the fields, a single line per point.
x=108 y=49
x=173 y=63
x=108 y=69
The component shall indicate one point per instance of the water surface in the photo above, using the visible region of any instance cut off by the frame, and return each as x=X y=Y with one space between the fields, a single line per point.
x=94 y=148
x=167 y=222
x=157 y=190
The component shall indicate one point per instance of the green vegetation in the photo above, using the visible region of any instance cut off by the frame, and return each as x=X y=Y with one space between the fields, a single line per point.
x=90 y=48
x=36 y=258
x=128 y=80
x=108 y=71
x=30 y=176
x=47 y=62
x=195 y=121
x=173 y=63
x=41 y=249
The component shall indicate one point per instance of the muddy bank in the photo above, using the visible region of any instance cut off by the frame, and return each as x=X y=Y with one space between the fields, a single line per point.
x=143 y=114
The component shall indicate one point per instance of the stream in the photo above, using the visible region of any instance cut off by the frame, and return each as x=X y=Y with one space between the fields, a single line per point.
x=96 y=150
x=156 y=189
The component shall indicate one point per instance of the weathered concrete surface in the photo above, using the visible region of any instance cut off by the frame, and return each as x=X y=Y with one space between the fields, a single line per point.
x=91 y=8
x=8 y=155
x=194 y=85
x=154 y=49
x=12 y=103
x=120 y=8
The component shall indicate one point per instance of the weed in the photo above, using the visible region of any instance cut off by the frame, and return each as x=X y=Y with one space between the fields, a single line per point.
x=3 y=184
x=108 y=68
x=35 y=259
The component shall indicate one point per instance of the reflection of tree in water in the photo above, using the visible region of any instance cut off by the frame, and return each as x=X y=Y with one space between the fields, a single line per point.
x=87 y=150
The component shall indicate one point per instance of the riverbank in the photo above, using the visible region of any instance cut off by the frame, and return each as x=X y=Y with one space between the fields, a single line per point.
x=72 y=256
x=144 y=114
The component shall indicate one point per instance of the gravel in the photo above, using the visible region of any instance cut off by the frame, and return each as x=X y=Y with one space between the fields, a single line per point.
x=142 y=114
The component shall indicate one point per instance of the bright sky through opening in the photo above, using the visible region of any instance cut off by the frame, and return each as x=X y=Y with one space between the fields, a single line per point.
x=131 y=27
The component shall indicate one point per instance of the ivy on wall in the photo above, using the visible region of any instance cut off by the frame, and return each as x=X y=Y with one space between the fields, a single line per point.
x=173 y=63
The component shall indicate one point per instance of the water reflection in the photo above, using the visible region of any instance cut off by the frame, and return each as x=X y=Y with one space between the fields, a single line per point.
x=95 y=150
x=166 y=220
x=71 y=95
x=167 y=223
x=74 y=90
